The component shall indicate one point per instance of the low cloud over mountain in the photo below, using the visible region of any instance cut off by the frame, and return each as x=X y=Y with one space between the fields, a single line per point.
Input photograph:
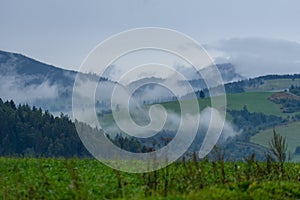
x=29 y=81
x=258 y=56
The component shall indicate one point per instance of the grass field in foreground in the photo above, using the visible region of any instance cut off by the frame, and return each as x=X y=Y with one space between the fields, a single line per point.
x=28 y=178
x=290 y=131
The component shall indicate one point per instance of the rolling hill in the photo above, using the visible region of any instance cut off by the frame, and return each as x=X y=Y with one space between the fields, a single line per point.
x=290 y=131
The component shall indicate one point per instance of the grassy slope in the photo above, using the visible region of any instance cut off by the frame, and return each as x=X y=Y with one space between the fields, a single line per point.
x=255 y=102
x=277 y=85
x=174 y=105
x=290 y=131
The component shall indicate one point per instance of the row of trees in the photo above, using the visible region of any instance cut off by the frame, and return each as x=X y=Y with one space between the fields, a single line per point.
x=246 y=120
x=295 y=90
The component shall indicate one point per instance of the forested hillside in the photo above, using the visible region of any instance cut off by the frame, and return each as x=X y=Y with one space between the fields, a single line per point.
x=29 y=131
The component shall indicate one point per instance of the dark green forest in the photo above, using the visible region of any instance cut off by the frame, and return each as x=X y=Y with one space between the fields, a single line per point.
x=30 y=131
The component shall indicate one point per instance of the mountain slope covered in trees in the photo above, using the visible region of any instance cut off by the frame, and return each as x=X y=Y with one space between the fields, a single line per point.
x=30 y=131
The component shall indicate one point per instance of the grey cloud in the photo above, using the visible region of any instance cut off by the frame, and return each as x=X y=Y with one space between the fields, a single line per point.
x=173 y=121
x=258 y=56
x=14 y=87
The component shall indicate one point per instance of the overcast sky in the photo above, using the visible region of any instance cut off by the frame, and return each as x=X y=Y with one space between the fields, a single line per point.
x=263 y=34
